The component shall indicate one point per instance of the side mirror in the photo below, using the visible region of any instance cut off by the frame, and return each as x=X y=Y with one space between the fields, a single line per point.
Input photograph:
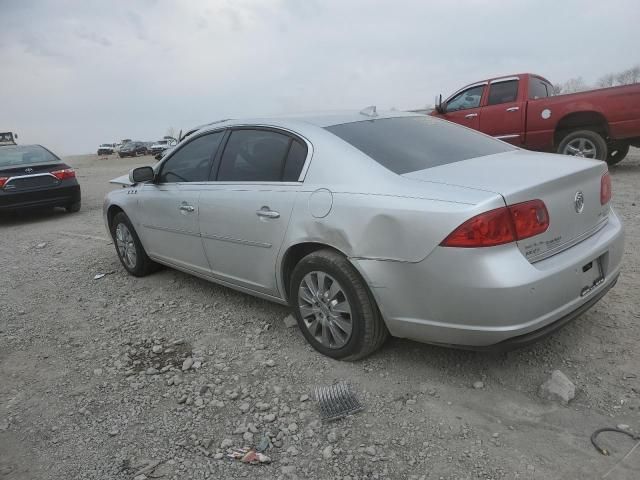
x=440 y=107
x=141 y=175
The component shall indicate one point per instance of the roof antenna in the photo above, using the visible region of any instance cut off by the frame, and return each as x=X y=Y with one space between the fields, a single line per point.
x=369 y=111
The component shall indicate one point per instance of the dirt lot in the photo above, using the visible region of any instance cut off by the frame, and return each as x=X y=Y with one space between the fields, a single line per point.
x=83 y=395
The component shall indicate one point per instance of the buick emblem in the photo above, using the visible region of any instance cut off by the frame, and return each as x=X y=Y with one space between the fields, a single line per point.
x=28 y=170
x=578 y=202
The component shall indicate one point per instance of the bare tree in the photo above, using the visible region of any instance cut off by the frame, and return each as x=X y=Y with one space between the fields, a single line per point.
x=629 y=76
x=574 y=85
x=171 y=132
x=607 y=80
x=557 y=88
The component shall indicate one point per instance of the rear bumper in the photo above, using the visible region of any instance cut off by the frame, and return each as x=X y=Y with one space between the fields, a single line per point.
x=65 y=194
x=477 y=298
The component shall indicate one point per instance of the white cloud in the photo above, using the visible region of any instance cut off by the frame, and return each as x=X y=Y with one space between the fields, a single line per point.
x=76 y=73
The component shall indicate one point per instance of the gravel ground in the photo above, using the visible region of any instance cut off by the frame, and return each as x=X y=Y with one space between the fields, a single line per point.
x=94 y=385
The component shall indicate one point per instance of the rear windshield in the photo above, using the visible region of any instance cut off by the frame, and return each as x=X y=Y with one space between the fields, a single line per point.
x=25 y=155
x=409 y=144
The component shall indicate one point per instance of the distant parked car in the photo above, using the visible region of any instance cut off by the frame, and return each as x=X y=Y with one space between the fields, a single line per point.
x=133 y=149
x=32 y=176
x=160 y=146
x=106 y=149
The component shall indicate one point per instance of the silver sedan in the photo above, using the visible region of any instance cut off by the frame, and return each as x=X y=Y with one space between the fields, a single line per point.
x=372 y=224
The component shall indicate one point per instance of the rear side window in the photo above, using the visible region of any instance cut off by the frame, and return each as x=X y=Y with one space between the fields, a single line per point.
x=503 y=92
x=409 y=144
x=537 y=89
x=192 y=163
x=295 y=161
x=254 y=156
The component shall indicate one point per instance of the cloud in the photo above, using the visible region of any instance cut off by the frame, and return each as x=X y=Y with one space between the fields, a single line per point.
x=83 y=73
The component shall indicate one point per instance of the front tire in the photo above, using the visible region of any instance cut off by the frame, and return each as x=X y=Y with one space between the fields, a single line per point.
x=129 y=248
x=334 y=308
x=617 y=152
x=584 y=143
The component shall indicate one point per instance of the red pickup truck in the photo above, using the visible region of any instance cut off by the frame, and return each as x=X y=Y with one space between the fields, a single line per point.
x=522 y=110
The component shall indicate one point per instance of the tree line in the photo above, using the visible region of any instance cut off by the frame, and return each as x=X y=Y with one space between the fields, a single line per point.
x=626 y=77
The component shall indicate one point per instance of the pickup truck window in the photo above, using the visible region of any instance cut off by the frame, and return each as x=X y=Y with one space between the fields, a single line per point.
x=469 y=98
x=503 y=92
x=538 y=89
x=409 y=144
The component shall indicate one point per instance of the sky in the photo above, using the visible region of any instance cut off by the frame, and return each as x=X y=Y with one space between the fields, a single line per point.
x=74 y=74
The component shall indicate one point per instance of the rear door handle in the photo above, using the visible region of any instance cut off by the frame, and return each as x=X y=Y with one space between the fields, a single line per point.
x=267 y=213
x=513 y=109
x=471 y=115
x=187 y=208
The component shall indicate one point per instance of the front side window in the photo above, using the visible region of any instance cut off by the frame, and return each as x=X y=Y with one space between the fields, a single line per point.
x=503 y=92
x=469 y=98
x=254 y=156
x=192 y=163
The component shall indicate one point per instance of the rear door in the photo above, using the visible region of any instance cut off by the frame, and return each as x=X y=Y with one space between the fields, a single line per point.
x=502 y=116
x=464 y=106
x=170 y=206
x=245 y=212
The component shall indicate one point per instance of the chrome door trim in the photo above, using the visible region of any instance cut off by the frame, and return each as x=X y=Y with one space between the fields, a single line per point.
x=172 y=230
x=503 y=137
x=222 y=238
x=471 y=115
x=513 y=109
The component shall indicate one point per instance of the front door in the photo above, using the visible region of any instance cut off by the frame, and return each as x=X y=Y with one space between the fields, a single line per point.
x=245 y=213
x=502 y=116
x=464 y=107
x=170 y=205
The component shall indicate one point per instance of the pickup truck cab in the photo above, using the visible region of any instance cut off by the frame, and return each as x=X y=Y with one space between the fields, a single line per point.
x=522 y=110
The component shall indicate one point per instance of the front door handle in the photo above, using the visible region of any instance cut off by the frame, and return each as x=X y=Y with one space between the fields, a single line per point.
x=267 y=213
x=513 y=109
x=471 y=115
x=187 y=208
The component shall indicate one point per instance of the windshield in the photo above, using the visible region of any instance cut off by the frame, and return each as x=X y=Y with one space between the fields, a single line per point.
x=409 y=144
x=25 y=155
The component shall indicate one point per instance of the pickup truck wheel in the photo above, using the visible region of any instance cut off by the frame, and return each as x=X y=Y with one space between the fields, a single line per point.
x=584 y=143
x=617 y=152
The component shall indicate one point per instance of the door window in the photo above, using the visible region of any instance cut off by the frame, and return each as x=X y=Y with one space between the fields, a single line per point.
x=254 y=156
x=503 y=92
x=295 y=161
x=192 y=162
x=469 y=98
x=537 y=89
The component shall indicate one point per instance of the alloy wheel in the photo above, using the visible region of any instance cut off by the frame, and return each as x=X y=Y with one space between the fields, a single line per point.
x=580 y=147
x=325 y=309
x=126 y=246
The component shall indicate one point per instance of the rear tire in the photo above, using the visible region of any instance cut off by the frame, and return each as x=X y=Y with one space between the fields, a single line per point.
x=583 y=143
x=617 y=152
x=74 y=207
x=129 y=248
x=368 y=331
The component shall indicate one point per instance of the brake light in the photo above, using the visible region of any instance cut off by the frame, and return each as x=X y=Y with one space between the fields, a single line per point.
x=529 y=218
x=488 y=229
x=605 y=189
x=3 y=180
x=500 y=226
x=64 y=174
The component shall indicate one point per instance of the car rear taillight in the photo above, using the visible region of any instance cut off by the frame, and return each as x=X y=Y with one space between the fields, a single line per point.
x=64 y=173
x=605 y=189
x=500 y=226
x=529 y=218
x=3 y=180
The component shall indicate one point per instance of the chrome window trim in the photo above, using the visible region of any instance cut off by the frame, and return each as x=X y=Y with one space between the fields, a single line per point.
x=505 y=79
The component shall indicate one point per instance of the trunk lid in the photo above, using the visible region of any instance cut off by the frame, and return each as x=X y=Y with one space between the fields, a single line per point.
x=521 y=176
